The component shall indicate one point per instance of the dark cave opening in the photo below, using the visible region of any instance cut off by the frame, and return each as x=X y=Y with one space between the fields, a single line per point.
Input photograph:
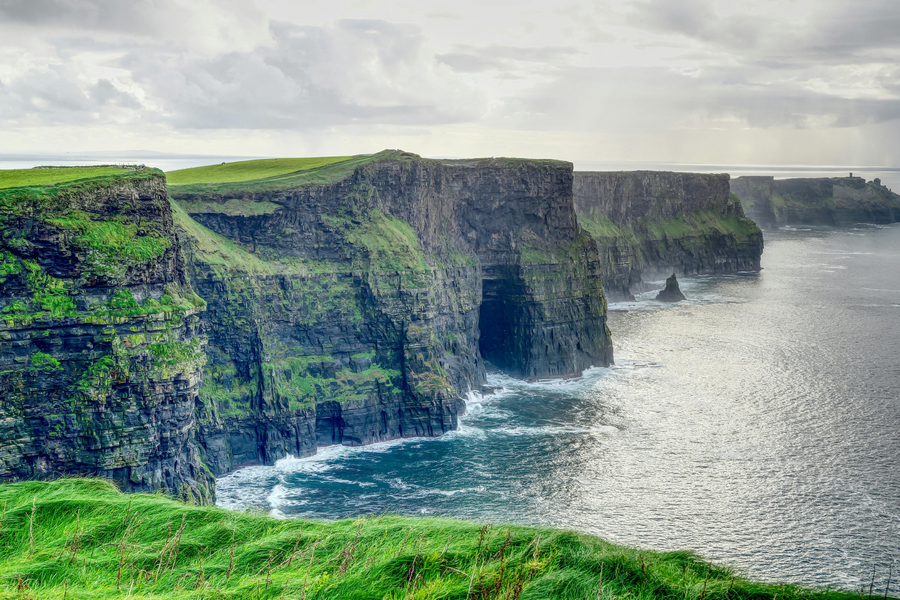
x=503 y=320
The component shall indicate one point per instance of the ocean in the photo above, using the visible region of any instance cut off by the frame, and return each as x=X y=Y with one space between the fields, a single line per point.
x=756 y=423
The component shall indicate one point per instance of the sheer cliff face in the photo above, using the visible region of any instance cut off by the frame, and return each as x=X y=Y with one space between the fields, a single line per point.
x=649 y=224
x=815 y=201
x=359 y=305
x=362 y=310
x=100 y=353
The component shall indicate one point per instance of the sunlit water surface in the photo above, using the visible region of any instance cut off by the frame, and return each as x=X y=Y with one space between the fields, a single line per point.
x=757 y=424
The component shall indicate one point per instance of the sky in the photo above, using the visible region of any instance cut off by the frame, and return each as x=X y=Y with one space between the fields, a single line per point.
x=775 y=82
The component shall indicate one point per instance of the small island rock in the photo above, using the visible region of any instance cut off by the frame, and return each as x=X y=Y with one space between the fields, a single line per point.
x=672 y=293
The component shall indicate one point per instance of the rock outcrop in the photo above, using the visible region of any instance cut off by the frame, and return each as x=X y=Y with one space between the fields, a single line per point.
x=671 y=293
x=774 y=203
x=650 y=223
x=101 y=354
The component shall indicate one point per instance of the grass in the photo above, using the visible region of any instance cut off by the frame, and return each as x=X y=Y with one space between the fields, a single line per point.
x=226 y=257
x=322 y=175
x=248 y=170
x=39 y=176
x=696 y=224
x=82 y=539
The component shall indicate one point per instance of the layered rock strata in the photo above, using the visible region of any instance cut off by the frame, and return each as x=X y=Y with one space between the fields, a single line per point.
x=351 y=304
x=774 y=203
x=648 y=224
x=101 y=355
x=360 y=305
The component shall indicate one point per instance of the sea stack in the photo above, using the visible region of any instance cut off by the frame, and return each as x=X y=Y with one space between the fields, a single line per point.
x=672 y=293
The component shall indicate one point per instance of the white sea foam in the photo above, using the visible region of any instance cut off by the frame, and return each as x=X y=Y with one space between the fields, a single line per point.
x=555 y=430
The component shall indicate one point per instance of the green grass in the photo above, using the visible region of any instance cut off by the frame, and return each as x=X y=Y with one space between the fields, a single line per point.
x=248 y=170
x=10 y=178
x=226 y=257
x=48 y=199
x=82 y=539
x=323 y=175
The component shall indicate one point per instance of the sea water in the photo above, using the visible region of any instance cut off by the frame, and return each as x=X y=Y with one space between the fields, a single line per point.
x=757 y=423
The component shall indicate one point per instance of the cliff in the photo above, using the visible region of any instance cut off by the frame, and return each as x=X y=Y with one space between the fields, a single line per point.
x=648 y=224
x=358 y=301
x=100 y=351
x=815 y=201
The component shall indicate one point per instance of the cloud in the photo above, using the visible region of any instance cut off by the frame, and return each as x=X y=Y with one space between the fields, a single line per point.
x=311 y=77
x=473 y=59
x=197 y=69
x=661 y=99
x=352 y=71
x=53 y=95
x=830 y=31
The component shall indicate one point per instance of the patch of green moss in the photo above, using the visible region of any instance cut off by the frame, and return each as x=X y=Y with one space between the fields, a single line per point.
x=41 y=361
x=387 y=243
x=115 y=239
x=225 y=257
x=9 y=265
x=701 y=224
x=294 y=381
x=172 y=358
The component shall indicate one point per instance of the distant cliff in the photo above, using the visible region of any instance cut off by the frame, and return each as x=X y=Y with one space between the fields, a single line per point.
x=648 y=224
x=100 y=351
x=774 y=203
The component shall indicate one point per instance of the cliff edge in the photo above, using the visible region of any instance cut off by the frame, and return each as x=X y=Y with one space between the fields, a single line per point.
x=648 y=224
x=101 y=354
x=774 y=203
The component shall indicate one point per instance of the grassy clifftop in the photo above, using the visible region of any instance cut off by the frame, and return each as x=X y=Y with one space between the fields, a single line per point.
x=248 y=177
x=40 y=176
x=80 y=538
x=247 y=170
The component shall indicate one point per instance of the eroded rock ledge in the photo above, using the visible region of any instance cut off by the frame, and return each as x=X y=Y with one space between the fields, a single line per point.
x=648 y=224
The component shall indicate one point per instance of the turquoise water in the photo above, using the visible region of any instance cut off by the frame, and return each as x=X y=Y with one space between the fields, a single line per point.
x=757 y=423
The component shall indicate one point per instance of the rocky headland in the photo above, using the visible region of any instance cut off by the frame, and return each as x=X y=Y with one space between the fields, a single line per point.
x=347 y=304
x=648 y=224
x=101 y=353
x=774 y=203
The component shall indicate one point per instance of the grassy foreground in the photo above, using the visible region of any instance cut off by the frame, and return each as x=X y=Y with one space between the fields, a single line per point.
x=81 y=538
